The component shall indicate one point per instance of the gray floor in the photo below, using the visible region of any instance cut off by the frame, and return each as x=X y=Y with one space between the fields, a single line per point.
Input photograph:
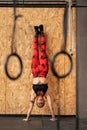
x=41 y=123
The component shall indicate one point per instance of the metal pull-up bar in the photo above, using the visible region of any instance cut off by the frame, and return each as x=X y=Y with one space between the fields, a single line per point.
x=35 y=3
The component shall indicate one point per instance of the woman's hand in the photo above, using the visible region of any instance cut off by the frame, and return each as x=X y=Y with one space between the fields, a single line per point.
x=53 y=119
x=26 y=119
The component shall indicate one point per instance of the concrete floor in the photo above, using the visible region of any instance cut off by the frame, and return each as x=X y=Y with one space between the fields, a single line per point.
x=41 y=123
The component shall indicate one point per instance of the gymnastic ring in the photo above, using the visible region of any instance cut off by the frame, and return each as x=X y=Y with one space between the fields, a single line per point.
x=6 y=68
x=53 y=61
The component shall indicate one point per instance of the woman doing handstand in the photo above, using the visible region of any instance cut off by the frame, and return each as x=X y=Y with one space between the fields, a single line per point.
x=39 y=69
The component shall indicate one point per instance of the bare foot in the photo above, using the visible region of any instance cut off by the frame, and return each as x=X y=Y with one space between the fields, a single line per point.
x=53 y=119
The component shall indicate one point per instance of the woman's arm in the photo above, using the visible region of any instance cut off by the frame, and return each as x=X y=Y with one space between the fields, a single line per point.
x=29 y=110
x=32 y=100
x=51 y=108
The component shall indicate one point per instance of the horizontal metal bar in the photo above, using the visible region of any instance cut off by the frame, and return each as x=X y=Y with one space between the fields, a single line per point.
x=35 y=4
x=36 y=0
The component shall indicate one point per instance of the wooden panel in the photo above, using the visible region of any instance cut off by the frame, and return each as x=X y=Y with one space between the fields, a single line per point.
x=3 y=81
x=18 y=92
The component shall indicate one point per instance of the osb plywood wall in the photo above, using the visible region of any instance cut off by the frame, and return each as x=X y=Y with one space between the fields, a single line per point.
x=15 y=95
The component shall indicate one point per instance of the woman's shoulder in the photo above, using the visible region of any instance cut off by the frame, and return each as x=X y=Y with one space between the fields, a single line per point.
x=33 y=94
x=46 y=95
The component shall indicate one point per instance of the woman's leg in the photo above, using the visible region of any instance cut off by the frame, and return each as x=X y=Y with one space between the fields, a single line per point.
x=35 y=58
x=43 y=56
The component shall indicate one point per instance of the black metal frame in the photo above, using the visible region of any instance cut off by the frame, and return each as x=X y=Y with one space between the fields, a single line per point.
x=35 y=3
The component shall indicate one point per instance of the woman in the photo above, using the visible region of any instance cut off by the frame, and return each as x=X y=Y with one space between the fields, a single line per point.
x=39 y=68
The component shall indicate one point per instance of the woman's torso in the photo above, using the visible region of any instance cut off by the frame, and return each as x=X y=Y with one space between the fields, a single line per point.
x=40 y=80
x=40 y=89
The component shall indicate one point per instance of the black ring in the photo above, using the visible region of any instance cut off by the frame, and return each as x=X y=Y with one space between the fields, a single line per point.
x=53 y=61
x=6 y=66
